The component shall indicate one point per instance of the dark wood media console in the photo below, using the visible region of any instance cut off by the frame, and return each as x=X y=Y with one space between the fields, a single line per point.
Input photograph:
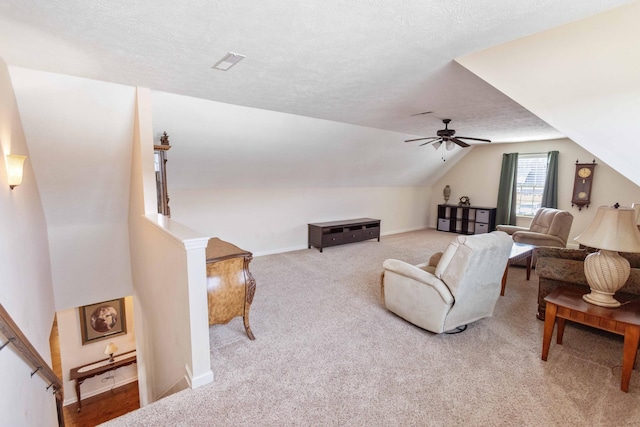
x=325 y=234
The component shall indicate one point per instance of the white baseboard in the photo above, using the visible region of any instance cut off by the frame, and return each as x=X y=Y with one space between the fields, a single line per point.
x=197 y=381
x=201 y=380
x=406 y=230
x=299 y=248
x=280 y=251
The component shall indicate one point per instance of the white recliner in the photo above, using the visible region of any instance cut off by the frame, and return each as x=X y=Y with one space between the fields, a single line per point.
x=463 y=287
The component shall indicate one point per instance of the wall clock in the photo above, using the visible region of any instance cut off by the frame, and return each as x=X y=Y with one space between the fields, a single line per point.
x=582 y=183
x=464 y=201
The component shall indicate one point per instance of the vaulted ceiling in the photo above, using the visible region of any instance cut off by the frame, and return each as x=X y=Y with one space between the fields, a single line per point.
x=374 y=64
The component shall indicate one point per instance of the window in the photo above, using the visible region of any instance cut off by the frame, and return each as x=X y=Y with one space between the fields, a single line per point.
x=532 y=173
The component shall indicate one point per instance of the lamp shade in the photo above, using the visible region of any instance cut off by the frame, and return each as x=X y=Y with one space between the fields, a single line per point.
x=111 y=348
x=612 y=229
x=636 y=207
x=15 y=165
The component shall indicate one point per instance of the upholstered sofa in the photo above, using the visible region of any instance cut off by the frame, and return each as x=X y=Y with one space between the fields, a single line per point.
x=565 y=267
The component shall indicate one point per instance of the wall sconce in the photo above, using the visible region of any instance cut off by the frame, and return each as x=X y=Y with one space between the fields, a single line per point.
x=111 y=348
x=15 y=169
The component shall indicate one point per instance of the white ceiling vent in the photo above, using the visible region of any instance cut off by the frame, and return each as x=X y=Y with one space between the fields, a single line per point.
x=228 y=61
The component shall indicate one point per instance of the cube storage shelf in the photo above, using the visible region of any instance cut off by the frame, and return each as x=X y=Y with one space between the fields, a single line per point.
x=325 y=234
x=466 y=219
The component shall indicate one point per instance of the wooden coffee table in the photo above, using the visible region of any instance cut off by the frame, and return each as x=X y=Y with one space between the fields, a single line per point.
x=518 y=251
x=567 y=304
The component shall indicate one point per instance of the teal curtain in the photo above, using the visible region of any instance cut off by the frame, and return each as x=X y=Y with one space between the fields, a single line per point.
x=506 y=206
x=550 y=192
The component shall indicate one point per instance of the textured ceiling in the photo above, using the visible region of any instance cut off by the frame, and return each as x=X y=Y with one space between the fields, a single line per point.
x=370 y=63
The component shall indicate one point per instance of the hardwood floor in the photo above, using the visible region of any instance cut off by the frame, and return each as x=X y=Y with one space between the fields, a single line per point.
x=103 y=407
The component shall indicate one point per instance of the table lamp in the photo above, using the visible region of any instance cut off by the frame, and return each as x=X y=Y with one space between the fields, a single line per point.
x=612 y=230
x=111 y=348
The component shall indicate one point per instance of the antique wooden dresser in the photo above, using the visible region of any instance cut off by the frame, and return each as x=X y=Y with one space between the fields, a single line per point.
x=230 y=285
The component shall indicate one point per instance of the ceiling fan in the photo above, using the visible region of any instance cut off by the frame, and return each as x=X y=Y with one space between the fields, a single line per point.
x=446 y=135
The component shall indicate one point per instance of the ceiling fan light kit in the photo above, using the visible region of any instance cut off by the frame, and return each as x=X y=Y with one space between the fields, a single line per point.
x=448 y=136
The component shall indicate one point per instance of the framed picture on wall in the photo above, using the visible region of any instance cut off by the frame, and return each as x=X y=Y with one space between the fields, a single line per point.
x=103 y=320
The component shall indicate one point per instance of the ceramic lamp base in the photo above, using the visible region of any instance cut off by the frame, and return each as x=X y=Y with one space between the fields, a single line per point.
x=606 y=272
x=600 y=298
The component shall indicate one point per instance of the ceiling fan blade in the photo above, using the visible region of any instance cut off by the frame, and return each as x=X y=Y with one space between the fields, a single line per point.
x=421 y=139
x=421 y=114
x=436 y=140
x=474 y=139
x=460 y=143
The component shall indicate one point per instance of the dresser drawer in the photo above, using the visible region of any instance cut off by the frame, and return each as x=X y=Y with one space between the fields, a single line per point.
x=353 y=235
x=443 y=224
x=481 y=228
x=332 y=239
x=482 y=215
x=370 y=233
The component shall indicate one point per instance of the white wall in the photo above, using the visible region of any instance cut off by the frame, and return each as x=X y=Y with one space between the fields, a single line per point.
x=141 y=200
x=26 y=290
x=79 y=133
x=256 y=178
x=175 y=339
x=169 y=276
x=268 y=220
x=477 y=175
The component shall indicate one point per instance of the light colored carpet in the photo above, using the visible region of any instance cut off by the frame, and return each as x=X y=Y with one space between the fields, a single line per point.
x=328 y=353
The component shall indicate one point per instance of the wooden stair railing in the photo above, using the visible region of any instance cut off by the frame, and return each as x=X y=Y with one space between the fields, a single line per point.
x=15 y=336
